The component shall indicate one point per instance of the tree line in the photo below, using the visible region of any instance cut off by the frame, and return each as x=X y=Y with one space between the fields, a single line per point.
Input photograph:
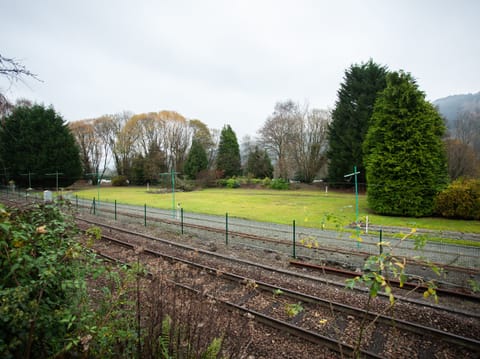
x=143 y=146
x=381 y=123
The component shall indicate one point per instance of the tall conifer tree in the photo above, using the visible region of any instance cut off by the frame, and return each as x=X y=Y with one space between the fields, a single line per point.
x=404 y=153
x=350 y=119
x=197 y=160
x=36 y=140
x=228 y=157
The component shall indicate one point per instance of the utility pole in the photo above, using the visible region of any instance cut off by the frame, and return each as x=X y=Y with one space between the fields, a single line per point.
x=56 y=175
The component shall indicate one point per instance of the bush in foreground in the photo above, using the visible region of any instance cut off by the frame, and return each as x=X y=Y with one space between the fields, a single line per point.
x=42 y=292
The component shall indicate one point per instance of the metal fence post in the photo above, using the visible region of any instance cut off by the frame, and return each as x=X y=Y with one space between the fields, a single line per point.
x=94 y=210
x=294 y=250
x=181 y=218
x=115 y=210
x=76 y=201
x=380 y=245
x=226 y=228
x=145 y=214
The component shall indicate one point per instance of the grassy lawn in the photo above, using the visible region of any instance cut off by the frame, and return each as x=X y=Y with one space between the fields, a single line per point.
x=307 y=208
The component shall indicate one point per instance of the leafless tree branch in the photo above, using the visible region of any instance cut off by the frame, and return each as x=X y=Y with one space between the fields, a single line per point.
x=14 y=70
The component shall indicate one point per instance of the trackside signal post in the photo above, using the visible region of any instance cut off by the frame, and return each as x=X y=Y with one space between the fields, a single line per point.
x=355 y=173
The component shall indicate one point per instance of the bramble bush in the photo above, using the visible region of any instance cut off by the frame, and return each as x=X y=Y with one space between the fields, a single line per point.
x=460 y=200
x=41 y=290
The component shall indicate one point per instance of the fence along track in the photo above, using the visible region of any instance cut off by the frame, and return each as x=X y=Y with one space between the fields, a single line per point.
x=459 y=277
x=452 y=257
x=328 y=240
x=346 y=311
x=262 y=239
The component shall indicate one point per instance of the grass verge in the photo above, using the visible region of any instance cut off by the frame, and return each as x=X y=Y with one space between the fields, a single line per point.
x=307 y=208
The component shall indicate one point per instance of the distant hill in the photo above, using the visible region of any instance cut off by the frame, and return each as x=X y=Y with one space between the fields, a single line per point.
x=451 y=106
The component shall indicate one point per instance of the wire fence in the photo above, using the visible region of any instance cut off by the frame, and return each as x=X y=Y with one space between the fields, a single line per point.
x=342 y=247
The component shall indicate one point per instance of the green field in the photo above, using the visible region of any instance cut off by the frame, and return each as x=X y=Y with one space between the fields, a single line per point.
x=307 y=208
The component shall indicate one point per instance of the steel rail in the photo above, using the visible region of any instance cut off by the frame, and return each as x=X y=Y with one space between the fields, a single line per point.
x=352 y=274
x=302 y=333
x=279 y=270
x=469 y=343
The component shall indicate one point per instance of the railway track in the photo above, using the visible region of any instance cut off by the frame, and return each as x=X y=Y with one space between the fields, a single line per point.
x=259 y=316
x=310 y=317
x=408 y=285
x=467 y=311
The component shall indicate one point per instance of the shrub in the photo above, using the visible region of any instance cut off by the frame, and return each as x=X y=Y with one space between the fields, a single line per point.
x=279 y=183
x=42 y=287
x=185 y=185
x=266 y=182
x=460 y=200
x=233 y=183
x=119 y=181
x=229 y=183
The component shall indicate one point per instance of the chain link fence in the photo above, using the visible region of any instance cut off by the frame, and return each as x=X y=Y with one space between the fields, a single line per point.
x=348 y=246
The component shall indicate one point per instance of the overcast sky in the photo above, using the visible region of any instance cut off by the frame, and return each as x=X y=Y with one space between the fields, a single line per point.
x=229 y=62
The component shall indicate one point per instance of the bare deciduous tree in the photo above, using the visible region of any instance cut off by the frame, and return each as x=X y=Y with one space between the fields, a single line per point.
x=84 y=134
x=13 y=71
x=462 y=160
x=178 y=136
x=310 y=143
x=276 y=134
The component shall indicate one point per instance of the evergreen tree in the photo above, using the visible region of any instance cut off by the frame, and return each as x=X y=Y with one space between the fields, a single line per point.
x=259 y=164
x=36 y=140
x=228 y=157
x=404 y=153
x=350 y=119
x=197 y=160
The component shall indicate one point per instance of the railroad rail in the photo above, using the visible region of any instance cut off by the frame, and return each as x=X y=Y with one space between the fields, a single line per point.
x=255 y=294
x=421 y=303
x=411 y=285
x=258 y=316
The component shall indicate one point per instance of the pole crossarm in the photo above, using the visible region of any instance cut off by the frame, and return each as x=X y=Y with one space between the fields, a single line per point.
x=352 y=174
x=56 y=174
